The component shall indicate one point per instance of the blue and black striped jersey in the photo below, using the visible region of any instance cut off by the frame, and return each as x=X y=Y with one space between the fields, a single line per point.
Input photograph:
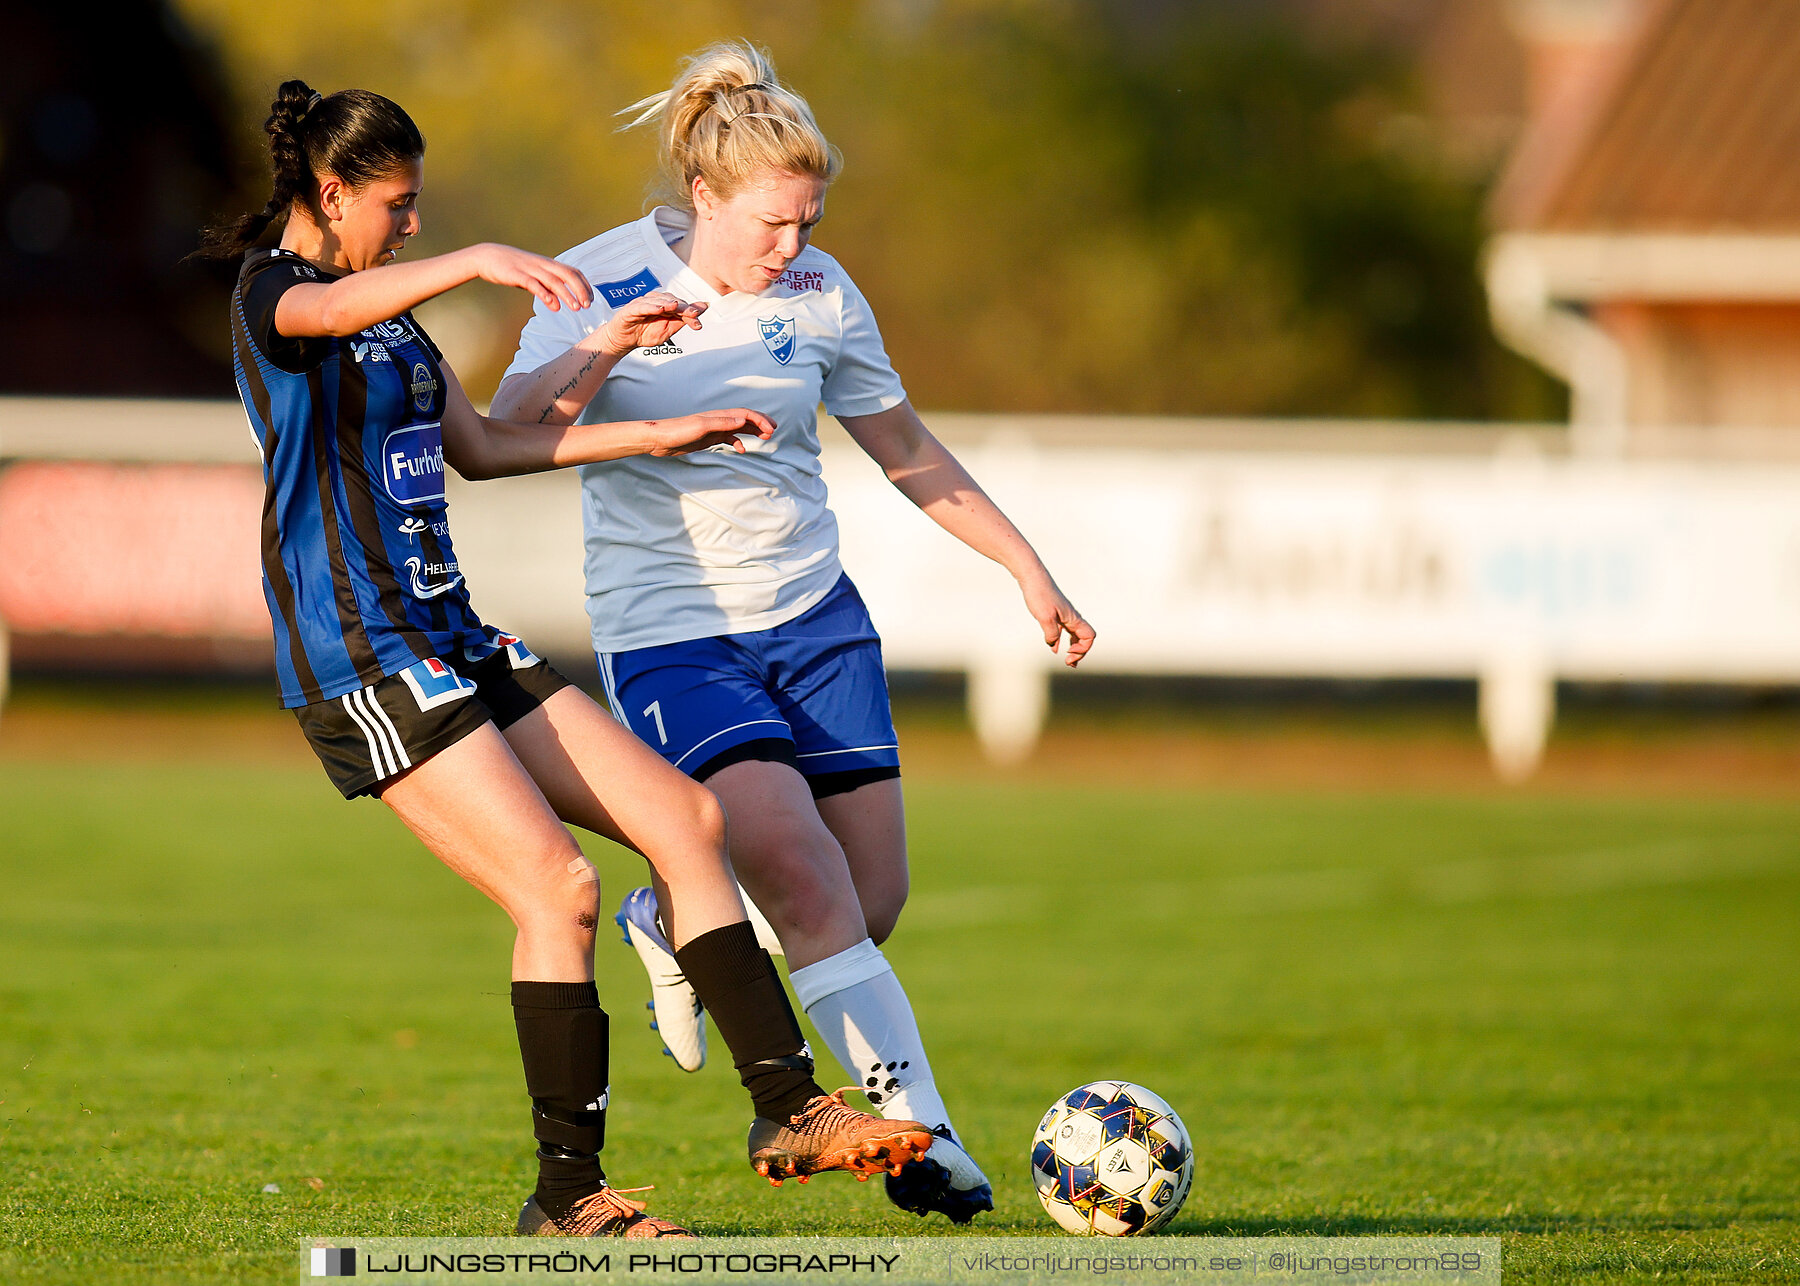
x=358 y=569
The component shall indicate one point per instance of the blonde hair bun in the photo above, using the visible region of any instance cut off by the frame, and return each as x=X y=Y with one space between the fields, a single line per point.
x=728 y=117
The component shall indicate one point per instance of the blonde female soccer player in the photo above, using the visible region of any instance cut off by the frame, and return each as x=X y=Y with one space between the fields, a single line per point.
x=728 y=636
x=479 y=747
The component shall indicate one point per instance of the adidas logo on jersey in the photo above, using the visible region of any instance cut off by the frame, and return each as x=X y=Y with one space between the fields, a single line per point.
x=665 y=349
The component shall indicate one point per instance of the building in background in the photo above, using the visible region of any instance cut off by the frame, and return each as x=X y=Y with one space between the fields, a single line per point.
x=1648 y=243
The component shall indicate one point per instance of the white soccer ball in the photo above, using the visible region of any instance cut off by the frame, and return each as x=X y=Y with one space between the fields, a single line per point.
x=1111 y=1159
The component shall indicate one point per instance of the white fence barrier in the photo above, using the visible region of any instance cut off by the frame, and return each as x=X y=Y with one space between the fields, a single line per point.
x=1374 y=552
x=1516 y=569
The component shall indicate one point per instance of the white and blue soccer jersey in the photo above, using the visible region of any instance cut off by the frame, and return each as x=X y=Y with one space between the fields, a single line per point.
x=714 y=542
x=358 y=570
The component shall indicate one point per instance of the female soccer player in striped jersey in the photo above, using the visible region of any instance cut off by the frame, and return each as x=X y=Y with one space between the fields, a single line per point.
x=728 y=635
x=482 y=749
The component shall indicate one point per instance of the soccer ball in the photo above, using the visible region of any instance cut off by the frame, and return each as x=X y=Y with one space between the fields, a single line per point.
x=1111 y=1159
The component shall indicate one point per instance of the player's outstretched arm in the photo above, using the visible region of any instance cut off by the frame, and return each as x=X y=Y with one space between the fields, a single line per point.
x=925 y=472
x=558 y=391
x=355 y=302
x=479 y=446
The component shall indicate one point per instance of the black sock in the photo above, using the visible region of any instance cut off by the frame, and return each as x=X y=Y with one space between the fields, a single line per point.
x=562 y=1040
x=736 y=981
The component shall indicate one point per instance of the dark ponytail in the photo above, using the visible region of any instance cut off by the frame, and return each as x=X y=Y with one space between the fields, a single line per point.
x=357 y=136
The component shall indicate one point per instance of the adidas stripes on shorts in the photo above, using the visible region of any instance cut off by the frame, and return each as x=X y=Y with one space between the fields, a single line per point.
x=367 y=737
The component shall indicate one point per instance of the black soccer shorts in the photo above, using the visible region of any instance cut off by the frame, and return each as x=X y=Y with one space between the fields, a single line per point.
x=368 y=737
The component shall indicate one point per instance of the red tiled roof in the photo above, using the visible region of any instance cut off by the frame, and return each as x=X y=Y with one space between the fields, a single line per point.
x=1695 y=128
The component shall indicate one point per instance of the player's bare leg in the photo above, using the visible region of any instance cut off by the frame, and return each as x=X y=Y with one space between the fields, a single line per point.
x=474 y=806
x=869 y=824
x=598 y=775
x=789 y=861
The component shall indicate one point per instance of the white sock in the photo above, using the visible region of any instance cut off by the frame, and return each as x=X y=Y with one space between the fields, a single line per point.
x=765 y=932
x=862 y=1014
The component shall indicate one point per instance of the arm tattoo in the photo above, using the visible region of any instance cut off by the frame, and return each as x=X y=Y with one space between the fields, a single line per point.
x=564 y=390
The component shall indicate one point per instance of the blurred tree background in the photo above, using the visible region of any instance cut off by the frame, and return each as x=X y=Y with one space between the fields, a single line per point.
x=1208 y=207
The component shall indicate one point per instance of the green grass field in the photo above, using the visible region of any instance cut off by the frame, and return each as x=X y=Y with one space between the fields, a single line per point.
x=1570 y=1020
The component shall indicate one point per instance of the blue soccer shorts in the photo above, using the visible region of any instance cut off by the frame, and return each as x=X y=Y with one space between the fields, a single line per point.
x=810 y=693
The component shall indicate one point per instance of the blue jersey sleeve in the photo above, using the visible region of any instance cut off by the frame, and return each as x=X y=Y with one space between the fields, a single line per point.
x=264 y=285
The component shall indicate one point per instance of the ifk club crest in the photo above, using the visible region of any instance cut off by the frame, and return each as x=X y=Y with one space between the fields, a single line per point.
x=778 y=337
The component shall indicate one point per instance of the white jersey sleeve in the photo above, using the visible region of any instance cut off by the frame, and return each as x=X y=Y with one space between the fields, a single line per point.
x=861 y=381
x=718 y=541
x=548 y=335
